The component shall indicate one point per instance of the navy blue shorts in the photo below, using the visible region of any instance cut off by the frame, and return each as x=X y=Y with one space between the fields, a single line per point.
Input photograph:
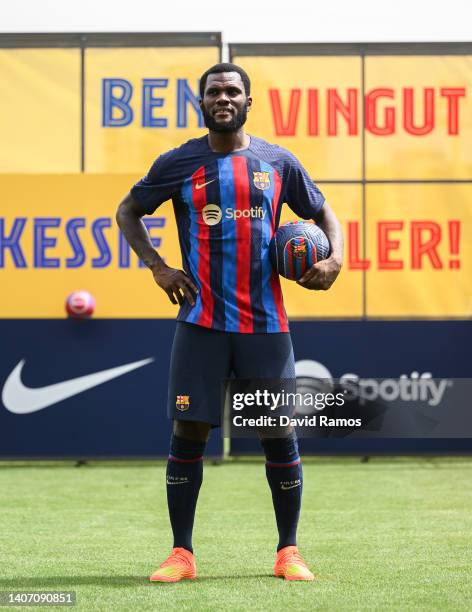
x=202 y=359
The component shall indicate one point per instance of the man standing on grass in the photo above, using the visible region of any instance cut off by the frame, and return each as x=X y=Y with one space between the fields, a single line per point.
x=227 y=190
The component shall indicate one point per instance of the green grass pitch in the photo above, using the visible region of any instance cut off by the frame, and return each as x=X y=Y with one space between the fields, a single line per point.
x=390 y=534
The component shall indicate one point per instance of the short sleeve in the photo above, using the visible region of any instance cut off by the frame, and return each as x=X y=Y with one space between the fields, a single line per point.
x=301 y=193
x=159 y=184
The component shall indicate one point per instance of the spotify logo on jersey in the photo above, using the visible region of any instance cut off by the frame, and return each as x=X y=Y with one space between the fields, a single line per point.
x=211 y=214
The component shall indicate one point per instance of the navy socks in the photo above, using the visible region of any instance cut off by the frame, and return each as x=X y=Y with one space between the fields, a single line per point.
x=185 y=475
x=284 y=474
x=184 y=478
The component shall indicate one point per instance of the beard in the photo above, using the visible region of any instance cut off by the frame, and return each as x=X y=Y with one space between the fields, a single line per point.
x=237 y=121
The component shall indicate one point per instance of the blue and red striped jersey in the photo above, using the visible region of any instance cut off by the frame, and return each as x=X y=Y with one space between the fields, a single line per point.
x=227 y=208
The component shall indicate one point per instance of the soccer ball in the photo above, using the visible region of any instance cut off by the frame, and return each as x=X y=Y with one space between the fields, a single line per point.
x=296 y=246
x=80 y=305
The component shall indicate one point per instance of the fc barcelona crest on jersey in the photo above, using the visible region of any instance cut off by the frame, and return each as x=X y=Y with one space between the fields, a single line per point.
x=182 y=402
x=261 y=180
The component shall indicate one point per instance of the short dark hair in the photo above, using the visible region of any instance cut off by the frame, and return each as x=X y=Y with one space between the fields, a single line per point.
x=225 y=67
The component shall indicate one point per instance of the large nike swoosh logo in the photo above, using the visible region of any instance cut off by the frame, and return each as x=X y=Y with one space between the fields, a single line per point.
x=285 y=488
x=19 y=399
x=197 y=186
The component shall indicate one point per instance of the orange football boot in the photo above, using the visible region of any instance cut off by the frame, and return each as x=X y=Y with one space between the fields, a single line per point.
x=289 y=564
x=179 y=565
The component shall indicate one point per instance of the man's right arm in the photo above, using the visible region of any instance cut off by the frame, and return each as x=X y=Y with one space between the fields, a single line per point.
x=175 y=283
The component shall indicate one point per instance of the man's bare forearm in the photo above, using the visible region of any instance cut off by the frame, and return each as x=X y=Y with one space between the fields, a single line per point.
x=136 y=234
x=329 y=223
x=175 y=283
x=323 y=273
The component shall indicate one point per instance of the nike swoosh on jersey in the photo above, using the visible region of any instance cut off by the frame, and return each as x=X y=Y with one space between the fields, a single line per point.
x=20 y=399
x=197 y=186
x=284 y=488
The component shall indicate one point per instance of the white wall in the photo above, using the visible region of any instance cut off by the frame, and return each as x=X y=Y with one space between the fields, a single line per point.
x=251 y=20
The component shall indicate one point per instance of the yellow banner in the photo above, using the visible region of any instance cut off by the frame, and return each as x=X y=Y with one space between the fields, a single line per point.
x=407 y=253
x=418 y=117
x=419 y=254
x=40 y=110
x=141 y=102
x=417 y=120
x=58 y=234
x=311 y=106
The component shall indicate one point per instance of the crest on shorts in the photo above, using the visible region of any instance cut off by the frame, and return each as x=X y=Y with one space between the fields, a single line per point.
x=182 y=402
x=261 y=180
